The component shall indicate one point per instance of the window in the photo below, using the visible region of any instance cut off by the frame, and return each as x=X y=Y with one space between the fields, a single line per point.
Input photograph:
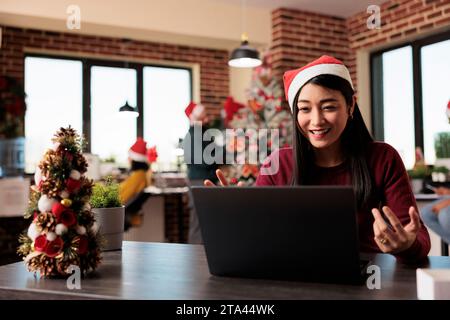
x=410 y=94
x=399 y=108
x=435 y=93
x=111 y=132
x=164 y=118
x=87 y=94
x=54 y=100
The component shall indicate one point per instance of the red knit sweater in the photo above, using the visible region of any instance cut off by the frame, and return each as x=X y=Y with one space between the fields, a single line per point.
x=391 y=188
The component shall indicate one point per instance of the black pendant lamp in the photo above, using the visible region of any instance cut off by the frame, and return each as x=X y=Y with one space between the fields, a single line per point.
x=126 y=109
x=129 y=110
x=244 y=56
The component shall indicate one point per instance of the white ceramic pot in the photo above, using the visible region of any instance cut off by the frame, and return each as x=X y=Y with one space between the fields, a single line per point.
x=417 y=185
x=111 y=226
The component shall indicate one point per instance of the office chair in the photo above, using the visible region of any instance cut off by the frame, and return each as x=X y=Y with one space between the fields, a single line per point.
x=133 y=206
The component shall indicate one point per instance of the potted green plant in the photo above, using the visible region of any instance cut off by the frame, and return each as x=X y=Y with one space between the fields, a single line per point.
x=109 y=213
x=439 y=173
x=417 y=176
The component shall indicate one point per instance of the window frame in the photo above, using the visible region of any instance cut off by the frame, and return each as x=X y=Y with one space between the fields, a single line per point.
x=376 y=85
x=87 y=63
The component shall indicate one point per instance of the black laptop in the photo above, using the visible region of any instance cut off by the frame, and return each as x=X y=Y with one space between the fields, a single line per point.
x=306 y=233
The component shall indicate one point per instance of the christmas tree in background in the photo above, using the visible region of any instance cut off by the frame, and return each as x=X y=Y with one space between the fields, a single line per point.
x=63 y=231
x=264 y=110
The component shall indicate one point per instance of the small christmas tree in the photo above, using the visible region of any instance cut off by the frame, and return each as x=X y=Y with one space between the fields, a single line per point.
x=264 y=110
x=63 y=231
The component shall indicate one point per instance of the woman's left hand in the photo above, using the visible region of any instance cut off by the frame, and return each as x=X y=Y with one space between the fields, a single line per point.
x=396 y=237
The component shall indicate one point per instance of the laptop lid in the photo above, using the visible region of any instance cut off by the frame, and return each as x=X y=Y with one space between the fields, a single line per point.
x=303 y=232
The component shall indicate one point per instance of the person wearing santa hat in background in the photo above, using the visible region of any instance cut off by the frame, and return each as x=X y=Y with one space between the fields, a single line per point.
x=332 y=146
x=196 y=172
x=137 y=180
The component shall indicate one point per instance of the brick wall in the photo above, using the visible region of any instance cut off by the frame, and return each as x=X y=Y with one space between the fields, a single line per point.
x=400 y=20
x=299 y=37
x=214 y=73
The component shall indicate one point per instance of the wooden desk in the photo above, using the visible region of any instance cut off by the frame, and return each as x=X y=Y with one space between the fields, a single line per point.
x=180 y=272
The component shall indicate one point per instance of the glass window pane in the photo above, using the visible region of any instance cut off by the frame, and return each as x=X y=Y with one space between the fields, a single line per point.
x=164 y=118
x=435 y=93
x=398 y=100
x=112 y=133
x=54 y=100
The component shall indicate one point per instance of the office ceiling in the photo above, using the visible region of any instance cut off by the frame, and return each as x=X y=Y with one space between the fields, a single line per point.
x=340 y=8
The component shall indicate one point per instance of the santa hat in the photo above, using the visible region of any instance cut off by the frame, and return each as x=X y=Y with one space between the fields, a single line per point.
x=295 y=79
x=193 y=111
x=138 y=151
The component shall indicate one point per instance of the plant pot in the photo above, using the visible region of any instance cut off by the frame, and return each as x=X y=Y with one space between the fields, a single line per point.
x=111 y=223
x=416 y=185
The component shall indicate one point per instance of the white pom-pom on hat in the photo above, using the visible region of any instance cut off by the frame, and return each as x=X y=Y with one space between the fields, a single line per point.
x=80 y=230
x=33 y=232
x=60 y=229
x=76 y=175
x=51 y=236
x=45 y=203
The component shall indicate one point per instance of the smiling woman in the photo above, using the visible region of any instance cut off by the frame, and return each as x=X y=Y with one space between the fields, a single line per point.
x=332 y=146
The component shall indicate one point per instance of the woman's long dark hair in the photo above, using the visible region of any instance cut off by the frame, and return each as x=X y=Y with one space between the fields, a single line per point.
x=136 y=165
x=354 y=141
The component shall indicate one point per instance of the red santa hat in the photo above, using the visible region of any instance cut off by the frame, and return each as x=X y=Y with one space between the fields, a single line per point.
x=295 y=79
x=193 y=111
x=138 y=151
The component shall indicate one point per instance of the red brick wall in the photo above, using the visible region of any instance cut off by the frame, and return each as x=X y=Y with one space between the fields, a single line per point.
x=299 y=37
x=400 y=20
x=214 y=76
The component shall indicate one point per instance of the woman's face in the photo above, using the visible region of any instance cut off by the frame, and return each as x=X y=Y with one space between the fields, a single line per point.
x=322 y=115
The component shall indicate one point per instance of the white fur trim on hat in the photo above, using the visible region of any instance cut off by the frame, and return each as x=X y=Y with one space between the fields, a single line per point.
x=137 y=156
x=304 y=76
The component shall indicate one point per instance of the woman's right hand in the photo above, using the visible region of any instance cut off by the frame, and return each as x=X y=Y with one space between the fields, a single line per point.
x=222 y=180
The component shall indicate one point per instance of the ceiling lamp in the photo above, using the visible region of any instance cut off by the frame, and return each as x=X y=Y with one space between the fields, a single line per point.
x=244 y=56
x=129 y=110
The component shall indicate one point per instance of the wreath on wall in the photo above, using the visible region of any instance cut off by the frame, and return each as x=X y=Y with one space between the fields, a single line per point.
x=12 y=107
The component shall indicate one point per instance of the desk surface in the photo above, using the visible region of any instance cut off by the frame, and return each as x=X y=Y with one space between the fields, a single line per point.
x=180 y=271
